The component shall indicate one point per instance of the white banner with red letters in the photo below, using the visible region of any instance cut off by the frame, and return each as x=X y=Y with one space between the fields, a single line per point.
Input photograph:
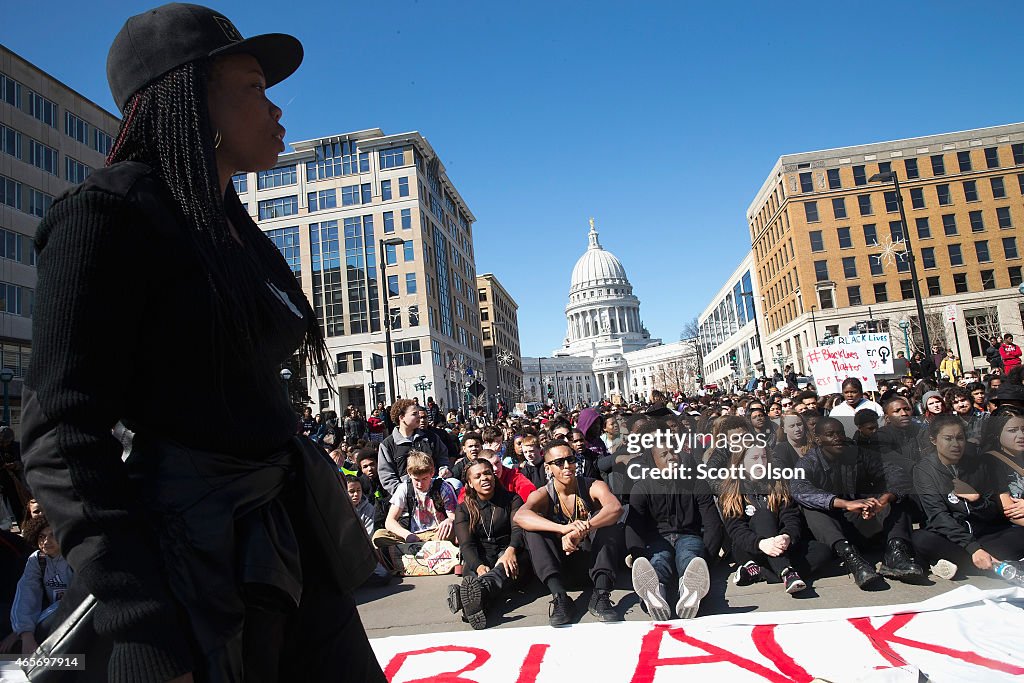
x=964 y=635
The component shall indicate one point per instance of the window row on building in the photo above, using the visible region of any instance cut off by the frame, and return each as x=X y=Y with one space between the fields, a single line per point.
x=24 y=197
x=41 y=156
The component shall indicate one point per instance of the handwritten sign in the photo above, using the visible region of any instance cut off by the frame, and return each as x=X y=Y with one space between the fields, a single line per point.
x=831 y=365
x=938 y=639
x=878 y=346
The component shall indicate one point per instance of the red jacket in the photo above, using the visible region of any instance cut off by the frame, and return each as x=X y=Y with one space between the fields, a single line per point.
x=1011 y=356
x=513 y=481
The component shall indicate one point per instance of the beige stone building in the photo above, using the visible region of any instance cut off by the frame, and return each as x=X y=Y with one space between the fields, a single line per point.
x=331 y=205
x=51 y=138
x=827 y=241
x=499 y=322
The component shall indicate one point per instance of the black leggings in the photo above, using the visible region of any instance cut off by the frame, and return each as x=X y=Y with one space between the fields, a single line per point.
x=1004 y=544
x=806 y=556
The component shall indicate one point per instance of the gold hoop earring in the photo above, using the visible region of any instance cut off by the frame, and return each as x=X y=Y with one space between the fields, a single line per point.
x=217 y=139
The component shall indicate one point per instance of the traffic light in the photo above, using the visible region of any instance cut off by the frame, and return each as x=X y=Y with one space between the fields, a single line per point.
x=733 y=359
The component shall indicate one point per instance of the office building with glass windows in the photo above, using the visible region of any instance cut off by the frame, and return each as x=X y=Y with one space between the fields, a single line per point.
x=829 y=243
x=332 y=205
x=730 y=351
x=51 y=138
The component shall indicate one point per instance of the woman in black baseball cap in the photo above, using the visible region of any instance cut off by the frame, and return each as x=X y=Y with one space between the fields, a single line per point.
x=221 y=548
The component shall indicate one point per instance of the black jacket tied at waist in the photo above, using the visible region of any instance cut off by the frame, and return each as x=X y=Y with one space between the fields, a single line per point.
x=224 y=521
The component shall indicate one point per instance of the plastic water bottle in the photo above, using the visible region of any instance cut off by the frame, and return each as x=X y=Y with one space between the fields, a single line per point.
x=1008 y=572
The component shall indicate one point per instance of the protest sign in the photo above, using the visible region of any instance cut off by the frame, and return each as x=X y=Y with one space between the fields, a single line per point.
x=964 y=635
x=832 y=364
x=878 y=346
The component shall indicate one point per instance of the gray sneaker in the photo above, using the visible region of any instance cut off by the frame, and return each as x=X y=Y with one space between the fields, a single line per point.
x=650 y=590
x=693 y=586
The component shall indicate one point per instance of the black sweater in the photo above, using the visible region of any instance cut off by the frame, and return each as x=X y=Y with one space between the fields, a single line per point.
x=121 y=330
x=495 y=516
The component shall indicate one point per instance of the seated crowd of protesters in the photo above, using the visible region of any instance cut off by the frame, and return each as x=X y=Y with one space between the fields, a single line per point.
x=920 y=478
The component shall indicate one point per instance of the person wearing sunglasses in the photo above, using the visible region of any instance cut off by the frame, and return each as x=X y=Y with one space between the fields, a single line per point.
x=572 y=528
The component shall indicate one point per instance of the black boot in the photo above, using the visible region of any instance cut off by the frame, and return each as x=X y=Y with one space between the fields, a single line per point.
x=473 y=594
x=864 y=574
x=899 y=563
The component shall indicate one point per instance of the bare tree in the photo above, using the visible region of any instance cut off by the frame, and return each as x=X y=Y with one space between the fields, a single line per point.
x=691 y=329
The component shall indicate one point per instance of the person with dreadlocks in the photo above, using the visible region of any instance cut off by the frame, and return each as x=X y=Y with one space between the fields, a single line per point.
x=220 y=549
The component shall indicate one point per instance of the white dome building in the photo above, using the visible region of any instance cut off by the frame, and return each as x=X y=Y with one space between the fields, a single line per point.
x=603 y=316
x=604 y=329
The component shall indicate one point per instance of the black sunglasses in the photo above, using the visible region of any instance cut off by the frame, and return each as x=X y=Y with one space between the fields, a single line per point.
x=561 y=462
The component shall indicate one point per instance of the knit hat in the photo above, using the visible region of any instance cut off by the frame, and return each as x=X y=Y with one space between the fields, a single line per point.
x=928 y=395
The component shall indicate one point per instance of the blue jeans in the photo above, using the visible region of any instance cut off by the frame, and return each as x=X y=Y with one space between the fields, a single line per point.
x=671 y=555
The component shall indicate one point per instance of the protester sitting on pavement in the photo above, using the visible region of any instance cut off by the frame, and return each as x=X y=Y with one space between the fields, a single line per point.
x=406 y=437
x=366 y=462
x=533 y=461
x=765 y=527
x=966 y=525
x=472 y=442
x=587 y=443
x=853 y=400
x=842 y=491
x=572 y=527
x=492 y=546
x=671 y=523
x=793 y=439
x=1004 y=444
x=46 y=579
x=510 y=478
x=366 y=513
x=422 y=507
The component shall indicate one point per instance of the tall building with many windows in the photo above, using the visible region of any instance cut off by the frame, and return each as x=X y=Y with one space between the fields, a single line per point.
x=499 y=323
x=335 y=206
x=51 y=138
x=730 y=348
x=829 y=242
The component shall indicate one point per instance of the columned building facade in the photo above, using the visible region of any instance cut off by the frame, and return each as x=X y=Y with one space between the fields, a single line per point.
x=606 y=339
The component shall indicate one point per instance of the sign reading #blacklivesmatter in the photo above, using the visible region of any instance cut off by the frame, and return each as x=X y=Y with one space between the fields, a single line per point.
x=831 y=365
x=878 y=346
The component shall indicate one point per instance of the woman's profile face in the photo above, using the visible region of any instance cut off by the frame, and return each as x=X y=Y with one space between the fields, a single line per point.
x=251 y=135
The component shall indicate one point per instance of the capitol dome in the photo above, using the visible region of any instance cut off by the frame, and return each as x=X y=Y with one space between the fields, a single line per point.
x=597 y=268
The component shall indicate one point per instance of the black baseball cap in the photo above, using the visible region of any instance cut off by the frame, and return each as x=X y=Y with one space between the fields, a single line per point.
x=159 y=40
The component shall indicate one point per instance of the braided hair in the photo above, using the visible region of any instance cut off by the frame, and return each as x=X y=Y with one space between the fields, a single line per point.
x=167 y=127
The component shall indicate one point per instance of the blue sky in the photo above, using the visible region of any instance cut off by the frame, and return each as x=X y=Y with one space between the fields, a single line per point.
x=659 y=119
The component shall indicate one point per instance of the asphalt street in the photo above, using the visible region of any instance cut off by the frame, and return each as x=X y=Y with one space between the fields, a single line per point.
x=418 y=604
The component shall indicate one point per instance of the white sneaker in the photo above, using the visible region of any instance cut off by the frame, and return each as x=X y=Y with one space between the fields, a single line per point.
x=944 y=569
x=693 y=586
x=650 y=590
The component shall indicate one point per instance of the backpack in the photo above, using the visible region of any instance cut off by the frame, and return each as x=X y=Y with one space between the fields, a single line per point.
x=434 y=493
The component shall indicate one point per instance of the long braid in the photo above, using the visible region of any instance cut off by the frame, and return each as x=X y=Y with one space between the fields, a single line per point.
x=167 y=127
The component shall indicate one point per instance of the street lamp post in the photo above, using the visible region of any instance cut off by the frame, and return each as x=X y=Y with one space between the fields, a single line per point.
x=286 y=375
x=422 y=386
x=6 y=375
x=890 y=176
x=905 y=326
x=382 y=284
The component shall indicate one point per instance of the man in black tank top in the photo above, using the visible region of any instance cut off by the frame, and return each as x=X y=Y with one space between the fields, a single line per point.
x=571 y=527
